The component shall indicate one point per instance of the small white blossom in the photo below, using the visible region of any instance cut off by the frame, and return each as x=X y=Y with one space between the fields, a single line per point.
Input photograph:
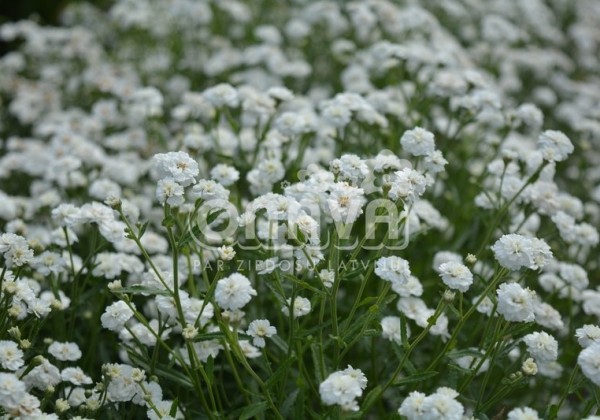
x=554 y=145
x=343 y=388
x=515 y=303
x=456 y=276
x=259 y=329
x=234 y=292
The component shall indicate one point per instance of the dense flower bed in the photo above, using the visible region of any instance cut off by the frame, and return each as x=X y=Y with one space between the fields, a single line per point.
x=303 y=209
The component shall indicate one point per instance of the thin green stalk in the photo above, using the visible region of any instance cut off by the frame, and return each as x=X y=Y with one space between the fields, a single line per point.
x=491 y=285
x=504 y=209
x=567 y=390
x=431 y=322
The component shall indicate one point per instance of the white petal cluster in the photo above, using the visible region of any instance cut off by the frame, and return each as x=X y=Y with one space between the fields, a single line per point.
x=456 y=276
x=343 y=388
x=554 y=145
x=440 y=405
x=589 y=362
x=542 y=346
x=11 y=356
x=514 y=251
x=116 y=315
x=418 y=142
x=65 y=351
x=523 y=413
x=407 y=185
x=259 y=329
x=394 y=269
x=515 y=303
x=234 y=292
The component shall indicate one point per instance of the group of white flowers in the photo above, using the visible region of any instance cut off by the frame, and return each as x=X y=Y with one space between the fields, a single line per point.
x=305 y=209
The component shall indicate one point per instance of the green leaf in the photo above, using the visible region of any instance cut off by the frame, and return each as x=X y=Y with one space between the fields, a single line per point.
x=253 y=410
x=169 y=373
x=138 y=290
x=304 y=284
x=279 y=373
x=213 y=215
x=316 y=357
x=173 y=410
x=142 y=228
x=417 y=377
x=552 y=411
x=287 y=405
x=372 y=332
x=169 y=222
x=370 y=398
x=279 y=342
x=209 y=336
x=209 y=368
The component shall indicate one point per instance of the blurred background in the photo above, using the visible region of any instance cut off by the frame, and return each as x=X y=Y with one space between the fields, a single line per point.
x=44 y=11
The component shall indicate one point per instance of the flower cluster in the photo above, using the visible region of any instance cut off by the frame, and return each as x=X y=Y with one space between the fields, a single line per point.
x=236 y=209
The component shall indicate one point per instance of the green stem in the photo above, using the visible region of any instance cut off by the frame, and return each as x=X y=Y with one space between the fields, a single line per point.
x=491 y=285
x=431 y=322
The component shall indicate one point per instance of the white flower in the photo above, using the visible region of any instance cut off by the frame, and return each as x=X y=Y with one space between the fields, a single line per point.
x=224 y=174
x=515 y=303
x=554 y=145
x=327 y=277
x=345 y=202
x=547 y=316
x=178 y=166
x=391 y=329
x=542 y=346
x=412 y=406
x=418 y=142
x=11 y=357
x=76 y=376
x=15 y=249
x=408 y=185
x=343 y=388
x=170 y=191
x=65 y=351
x=205 y=349
x=435 y=162
x=43 y=376
x=337 y=114
x=514 y=251
x=209 y=190
x=442 y=405
x=524 y=413
x=121 y=387
x=249 y=350
x=589 y=361
x=456 y=276
x=292 y=123
x=234 y=292
x=222 y=95
x=441 y=257
x=164 y=410
x=350 y=168
x=226 y=252
x=49 y=262
x=301 y=307
x=12 y=390
x=393 y=269
x=115 y=316
x=588 y=335
x=529 y=367
x=259 y=329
